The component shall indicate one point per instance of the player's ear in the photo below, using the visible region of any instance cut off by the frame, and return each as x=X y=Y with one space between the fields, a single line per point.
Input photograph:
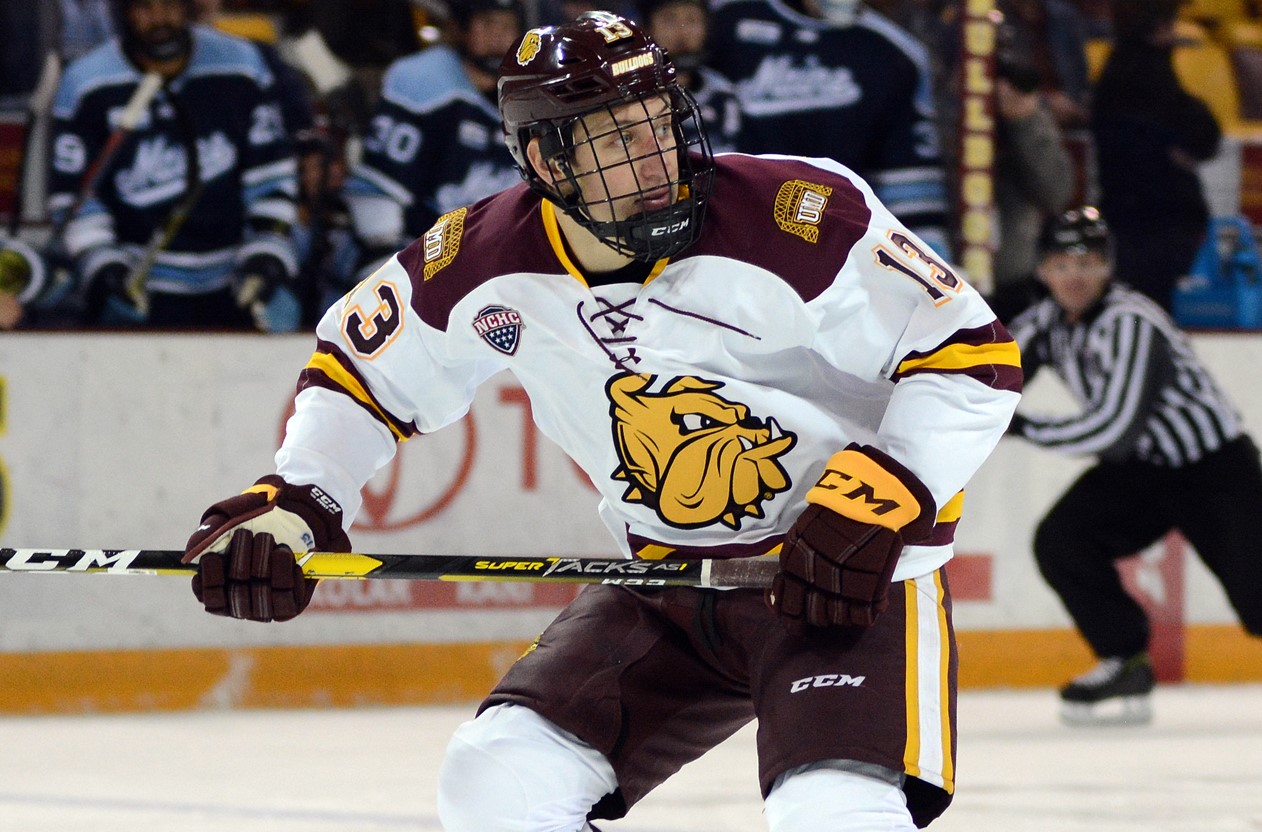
x=545 y=169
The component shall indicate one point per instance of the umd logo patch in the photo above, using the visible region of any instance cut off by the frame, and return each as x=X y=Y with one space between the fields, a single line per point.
x=800 y=208
x=442 y=241
x=500 y=327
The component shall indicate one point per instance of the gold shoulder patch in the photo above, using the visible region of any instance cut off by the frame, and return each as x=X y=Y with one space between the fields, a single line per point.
x=800 y=208
x=442 y=241
x=528 y=48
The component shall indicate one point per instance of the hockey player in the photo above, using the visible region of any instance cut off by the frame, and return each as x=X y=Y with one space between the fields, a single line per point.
x=834 y=78
x=1171 y=454
x=187 y=223
x=434 y=143
x=748 y=356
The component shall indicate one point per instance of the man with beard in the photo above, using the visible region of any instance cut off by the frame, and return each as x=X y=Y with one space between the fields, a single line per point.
x=434 y=143
x=187 y=222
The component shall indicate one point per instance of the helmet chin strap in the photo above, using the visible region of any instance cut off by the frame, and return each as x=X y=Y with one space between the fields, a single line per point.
x=648 y=236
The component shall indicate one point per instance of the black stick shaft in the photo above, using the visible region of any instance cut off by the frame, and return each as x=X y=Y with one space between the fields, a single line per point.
x=727 y=573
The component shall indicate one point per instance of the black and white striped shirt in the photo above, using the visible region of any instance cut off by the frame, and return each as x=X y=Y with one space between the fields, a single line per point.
x=1144 y=394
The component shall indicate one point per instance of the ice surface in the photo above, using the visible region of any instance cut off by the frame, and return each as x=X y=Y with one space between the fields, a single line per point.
x=1197 y=768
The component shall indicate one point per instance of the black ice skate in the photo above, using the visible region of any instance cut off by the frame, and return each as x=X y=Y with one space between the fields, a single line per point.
x=1114 y=692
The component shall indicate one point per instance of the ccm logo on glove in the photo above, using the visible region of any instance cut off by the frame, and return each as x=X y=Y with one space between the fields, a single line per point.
x=325 y=502
x=855 y=486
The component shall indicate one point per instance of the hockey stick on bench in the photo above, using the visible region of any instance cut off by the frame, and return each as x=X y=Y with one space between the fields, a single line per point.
x=751 y=573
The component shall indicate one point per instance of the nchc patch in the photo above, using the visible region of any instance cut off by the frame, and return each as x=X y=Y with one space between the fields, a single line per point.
x=500 y=327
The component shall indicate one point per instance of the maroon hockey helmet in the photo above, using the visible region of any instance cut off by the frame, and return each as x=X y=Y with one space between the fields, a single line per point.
x=598 y=63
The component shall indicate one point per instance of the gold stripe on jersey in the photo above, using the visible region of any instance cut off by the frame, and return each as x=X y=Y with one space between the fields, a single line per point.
x=953 y=510
x=338 y=374
x=958 y=357
x=654 y=551
x=548 y=212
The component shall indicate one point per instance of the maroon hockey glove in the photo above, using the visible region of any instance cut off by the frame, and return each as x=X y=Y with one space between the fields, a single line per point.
x=839 y=556
x=245 y=547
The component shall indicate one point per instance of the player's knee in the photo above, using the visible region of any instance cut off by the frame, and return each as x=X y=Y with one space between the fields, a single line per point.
x=510 y=770
x=824 y=797
x=474 y=791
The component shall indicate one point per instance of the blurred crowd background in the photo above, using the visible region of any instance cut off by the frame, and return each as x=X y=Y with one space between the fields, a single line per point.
x=1151 y=109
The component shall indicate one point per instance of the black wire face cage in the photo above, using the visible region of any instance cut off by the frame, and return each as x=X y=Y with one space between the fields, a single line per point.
x=642 y=152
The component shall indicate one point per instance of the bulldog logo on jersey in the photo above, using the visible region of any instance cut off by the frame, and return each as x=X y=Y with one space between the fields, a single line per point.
x=500 y=327
x=691 y=455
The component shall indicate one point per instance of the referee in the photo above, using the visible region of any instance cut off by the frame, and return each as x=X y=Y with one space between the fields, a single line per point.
x=1170 y=450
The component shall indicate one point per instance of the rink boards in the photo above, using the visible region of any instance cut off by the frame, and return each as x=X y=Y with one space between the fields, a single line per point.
x=121 y=441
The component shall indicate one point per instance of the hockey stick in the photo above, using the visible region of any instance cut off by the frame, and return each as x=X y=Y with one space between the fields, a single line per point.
x=749 y=573
x=37 y=108
x=162 y=236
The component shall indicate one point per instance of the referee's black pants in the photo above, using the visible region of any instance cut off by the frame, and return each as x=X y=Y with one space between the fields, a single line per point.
x=1117 y=509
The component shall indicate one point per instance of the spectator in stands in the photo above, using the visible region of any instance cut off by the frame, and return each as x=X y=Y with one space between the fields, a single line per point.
x=435 y=143
x=1150 y=134
x=681 y=28
x=1034 y=176
x=1171 y=453
x=1049 y=37
x=833 y=78
x=367 y=36
x=188 y=222
x=557 y=12
x=31 y=32
x=84 y=25
x=328 y=251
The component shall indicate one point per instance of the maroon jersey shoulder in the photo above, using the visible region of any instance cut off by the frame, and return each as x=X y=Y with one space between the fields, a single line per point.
x=787 y=216
x=502 y=234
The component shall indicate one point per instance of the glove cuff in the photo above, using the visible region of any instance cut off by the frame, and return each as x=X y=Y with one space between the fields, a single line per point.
x=869 y=486
x=270 y=245
x=319 y=513
x=96 y=260
x=301 y=517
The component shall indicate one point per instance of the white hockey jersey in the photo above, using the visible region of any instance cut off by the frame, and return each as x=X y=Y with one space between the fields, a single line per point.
x=704 y=403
